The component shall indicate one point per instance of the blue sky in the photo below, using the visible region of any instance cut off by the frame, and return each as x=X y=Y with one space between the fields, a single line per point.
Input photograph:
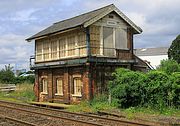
x=20 y=19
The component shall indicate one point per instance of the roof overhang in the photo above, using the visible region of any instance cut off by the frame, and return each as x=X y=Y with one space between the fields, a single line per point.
x=53 y=33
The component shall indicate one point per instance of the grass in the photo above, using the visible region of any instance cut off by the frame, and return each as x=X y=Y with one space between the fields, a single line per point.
x=98 y=103
x=132 y=112
x=23 y=93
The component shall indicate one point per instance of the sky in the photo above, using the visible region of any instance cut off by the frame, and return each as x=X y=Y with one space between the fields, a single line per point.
x=20 y=19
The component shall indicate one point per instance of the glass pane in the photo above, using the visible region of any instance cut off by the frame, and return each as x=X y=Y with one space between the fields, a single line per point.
x=77 y=86
x=45 y=85
x=108 y=41
x=59 y=86
x=121 y=38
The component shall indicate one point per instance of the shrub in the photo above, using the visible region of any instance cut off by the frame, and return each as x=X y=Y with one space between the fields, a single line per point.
x=128 y=87
x=174 y=90
x=27 y=79
x=169 y=66
x=155 y=89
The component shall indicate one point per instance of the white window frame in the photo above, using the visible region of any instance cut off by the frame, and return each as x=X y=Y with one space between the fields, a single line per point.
x=74 y=86
x=58 y=92
x=44 y=86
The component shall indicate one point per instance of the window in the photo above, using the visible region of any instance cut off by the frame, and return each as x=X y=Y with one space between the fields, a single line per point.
x=71 y=45
x=81 y=43
x=77 y=86
x=113 y=38
x=108 y=41
x=59 y=86
x=44 y=85
x=39 y=54
x=46 y=47
x=54 y=49
x=62 y=47
x=121 y=38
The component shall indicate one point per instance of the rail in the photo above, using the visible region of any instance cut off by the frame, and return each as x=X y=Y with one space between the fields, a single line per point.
x=82 y=118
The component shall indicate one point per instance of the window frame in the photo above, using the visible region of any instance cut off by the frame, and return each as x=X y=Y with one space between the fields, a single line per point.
x=62 y=87
x=75 y=87
x=43 y=86
x=114 y=39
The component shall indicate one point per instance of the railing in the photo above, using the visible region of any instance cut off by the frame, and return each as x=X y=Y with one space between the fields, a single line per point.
x=79 y=52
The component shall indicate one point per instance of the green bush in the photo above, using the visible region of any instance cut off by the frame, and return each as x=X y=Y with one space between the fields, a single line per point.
x=174 y=89
x=128 y=87
x=169 y=66
x=27 y=79
x=155 y=89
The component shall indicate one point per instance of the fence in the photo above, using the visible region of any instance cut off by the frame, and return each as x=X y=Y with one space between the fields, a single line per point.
x=7 y=87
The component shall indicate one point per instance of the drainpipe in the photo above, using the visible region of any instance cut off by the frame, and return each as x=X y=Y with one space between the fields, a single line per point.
x=88 y=42
x=89 y=64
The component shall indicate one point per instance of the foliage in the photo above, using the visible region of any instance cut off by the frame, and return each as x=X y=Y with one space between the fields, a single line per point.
x=174 y=89
x=155 y=89
x=174 y=50
x=99 y=102
x=26 y=79
x=169 y=66
x=6 y=74
x=132 y=112
x=128 y=87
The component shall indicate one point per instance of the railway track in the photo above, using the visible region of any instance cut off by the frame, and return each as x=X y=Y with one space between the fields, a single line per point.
x=7 y=121
x=82 y=119
x=28 y=117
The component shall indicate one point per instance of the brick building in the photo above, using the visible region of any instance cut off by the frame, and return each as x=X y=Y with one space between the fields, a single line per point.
x=74 y=58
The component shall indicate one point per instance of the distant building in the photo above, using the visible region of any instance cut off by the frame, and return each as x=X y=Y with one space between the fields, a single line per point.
x=17 y=72
x=153 y=56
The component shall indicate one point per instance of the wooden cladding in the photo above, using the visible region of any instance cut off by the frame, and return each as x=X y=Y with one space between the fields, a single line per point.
x=104 y=41
x=123 y=54
x=61 y=46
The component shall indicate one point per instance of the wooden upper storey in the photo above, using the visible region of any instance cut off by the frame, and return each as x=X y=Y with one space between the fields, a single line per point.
x=107 y=36
x=105 y=32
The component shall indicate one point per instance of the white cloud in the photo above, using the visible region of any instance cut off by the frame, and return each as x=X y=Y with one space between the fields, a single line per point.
x=24 y=15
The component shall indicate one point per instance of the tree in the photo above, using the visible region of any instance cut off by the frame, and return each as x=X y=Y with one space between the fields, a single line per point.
x=174 y=50
x=7 y=75
x=169 y=66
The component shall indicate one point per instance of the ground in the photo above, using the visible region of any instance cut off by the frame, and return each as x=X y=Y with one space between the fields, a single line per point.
x=24 y=93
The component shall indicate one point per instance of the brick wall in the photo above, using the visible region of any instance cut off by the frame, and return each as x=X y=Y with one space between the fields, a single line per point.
x=94 y=81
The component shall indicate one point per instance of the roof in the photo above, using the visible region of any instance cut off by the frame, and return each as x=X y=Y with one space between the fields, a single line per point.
x=84 y=20
x=151 y=51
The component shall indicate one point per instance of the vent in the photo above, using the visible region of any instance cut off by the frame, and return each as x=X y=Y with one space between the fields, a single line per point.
x=111 y=16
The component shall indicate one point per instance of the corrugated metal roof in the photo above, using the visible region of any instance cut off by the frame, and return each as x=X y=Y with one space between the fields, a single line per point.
x=81 y=20
x=151 y=51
